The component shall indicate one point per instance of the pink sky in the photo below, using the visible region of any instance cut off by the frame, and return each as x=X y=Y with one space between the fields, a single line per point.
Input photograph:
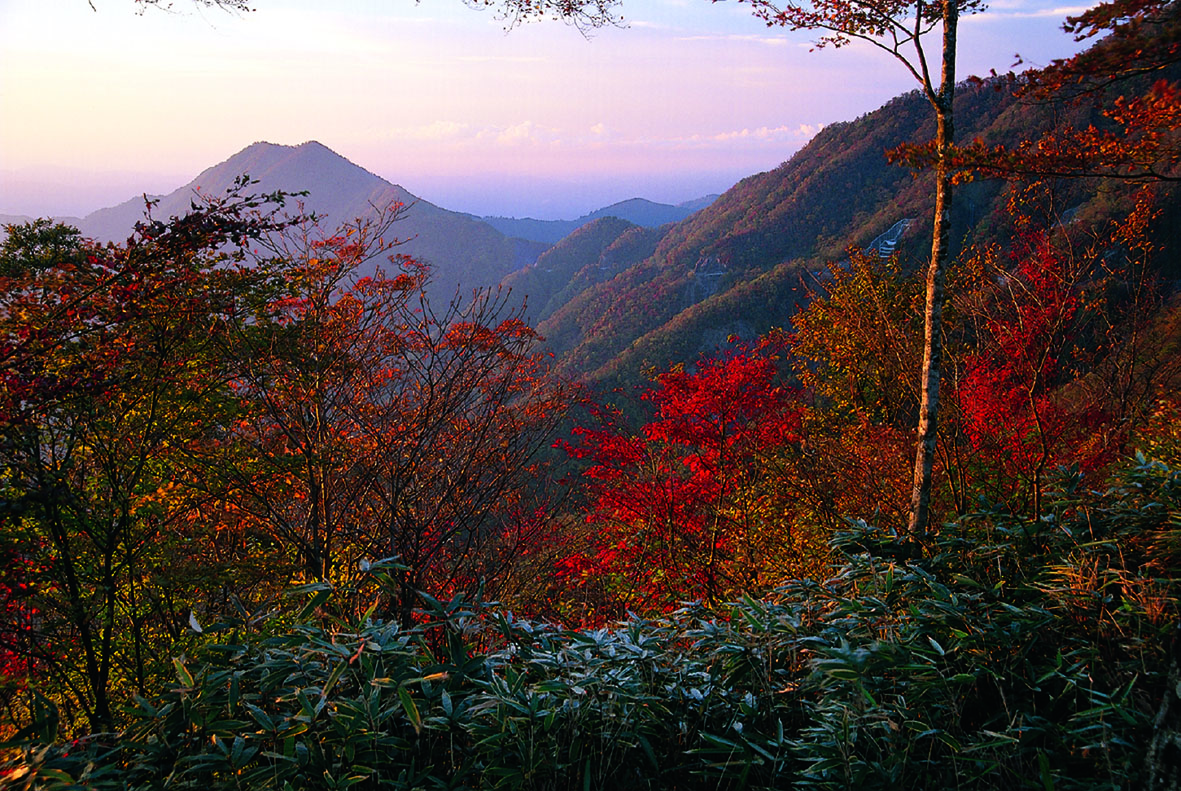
x=98 y=106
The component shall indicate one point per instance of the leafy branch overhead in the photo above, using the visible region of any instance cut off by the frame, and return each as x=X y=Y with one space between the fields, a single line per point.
x=1129 y=76
x=167 y=5
x=898 y=28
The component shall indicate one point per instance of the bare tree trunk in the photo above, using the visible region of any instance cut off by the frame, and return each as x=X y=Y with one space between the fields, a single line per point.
x=1162 y=768
x=924 y=463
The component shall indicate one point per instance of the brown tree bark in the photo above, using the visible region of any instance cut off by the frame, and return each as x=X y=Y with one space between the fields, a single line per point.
x=924 y=463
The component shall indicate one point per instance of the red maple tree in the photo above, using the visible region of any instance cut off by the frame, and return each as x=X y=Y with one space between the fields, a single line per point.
x=683 y=508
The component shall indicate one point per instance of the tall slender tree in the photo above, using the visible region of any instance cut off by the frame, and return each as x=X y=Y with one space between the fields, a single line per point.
x=904 y=31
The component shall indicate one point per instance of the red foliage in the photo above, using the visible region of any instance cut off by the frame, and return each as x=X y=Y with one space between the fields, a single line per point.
x=1011 y=393
x=676 y=505
x=376 y=426
x=19 y=616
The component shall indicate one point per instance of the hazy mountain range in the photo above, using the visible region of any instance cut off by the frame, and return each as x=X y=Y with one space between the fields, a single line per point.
x=744 y=264
x=464 y=251
x=637 y=211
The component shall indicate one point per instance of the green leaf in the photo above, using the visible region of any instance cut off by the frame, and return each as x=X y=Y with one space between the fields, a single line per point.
x=261 y=717
x=410 y=709
x=332 y=679
x=55 y=774
x=648 y=751
x=182 y=673
x=309 y=588
x=1043 y=765
x=323 y=594
x=295 y=730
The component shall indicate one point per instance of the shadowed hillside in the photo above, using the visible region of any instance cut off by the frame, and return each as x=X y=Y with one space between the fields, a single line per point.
x=636 y=210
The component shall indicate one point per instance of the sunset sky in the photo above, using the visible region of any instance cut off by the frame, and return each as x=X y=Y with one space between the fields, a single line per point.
x=97 y=106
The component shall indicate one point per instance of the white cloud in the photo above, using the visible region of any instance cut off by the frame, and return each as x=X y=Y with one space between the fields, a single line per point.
x=528 y=133
x=773 y=41
x=762 y=134
x=440 y=130
x=1009 y=12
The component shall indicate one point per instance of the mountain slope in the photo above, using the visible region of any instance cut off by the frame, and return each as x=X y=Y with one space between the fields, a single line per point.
x=698 y=287
x=589 y=255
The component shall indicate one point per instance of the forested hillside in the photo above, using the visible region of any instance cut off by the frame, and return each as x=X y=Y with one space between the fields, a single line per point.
x=593 y=253
x=839 y=191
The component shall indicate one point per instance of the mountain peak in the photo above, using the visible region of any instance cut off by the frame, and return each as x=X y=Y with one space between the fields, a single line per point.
x=463 y=252
x=337 y=190
x=340 y=189
x=262 y=157
x=267 y=145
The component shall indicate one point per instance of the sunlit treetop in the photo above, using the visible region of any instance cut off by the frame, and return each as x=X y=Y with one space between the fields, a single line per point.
x=892 y=25
x=898 y=27
x=1142 y=37
x=895 y=26
x=583 y=14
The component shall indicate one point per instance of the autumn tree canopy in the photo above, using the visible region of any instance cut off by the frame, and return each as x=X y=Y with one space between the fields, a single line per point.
x=691 y=505
x=110 y=370
x=1129 y=77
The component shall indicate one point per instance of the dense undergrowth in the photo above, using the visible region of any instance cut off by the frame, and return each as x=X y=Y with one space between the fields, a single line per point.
x=999 y=653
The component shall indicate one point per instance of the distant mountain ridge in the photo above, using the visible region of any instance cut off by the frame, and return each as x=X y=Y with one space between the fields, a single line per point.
x=616 y=295
x=464 y=251
x=637 y=211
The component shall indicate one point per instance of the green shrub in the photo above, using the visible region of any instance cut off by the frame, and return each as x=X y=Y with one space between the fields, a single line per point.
x=996 y=654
